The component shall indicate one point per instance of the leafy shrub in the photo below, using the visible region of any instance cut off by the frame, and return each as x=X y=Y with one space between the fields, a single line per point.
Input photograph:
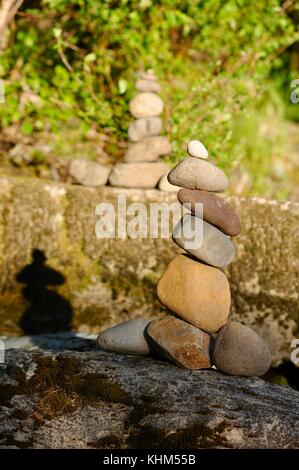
x=79 y=58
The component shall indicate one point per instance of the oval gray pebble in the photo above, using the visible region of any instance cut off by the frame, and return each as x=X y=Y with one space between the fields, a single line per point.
x=196 y=149
x=241 y=351
x=89 y=173
x=126 y=338
x=148 y=149
x=209 y=245
x=195 y=173
x=144 y=127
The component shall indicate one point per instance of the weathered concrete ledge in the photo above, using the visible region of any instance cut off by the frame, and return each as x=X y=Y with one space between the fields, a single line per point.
x=104 y=400
x=110 y=280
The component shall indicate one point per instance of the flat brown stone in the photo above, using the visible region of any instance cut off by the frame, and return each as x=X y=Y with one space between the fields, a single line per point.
x=180 y=343
x=216 y=211
x=197 y=293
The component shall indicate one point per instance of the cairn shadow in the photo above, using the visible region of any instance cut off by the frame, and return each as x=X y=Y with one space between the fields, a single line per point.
x=48 y=311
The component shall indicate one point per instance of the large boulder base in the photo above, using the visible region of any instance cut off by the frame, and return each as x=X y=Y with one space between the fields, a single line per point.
x=108 y=281
x=105 y=400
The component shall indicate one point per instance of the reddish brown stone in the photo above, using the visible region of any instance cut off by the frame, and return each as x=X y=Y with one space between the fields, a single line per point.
x=216 y=211
x=180 y=343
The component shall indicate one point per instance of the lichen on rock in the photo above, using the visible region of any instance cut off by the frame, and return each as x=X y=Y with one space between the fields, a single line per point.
x=104 y=400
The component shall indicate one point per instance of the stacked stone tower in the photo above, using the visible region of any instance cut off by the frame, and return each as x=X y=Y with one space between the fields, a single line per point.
x=194 y=287
x=141 y=167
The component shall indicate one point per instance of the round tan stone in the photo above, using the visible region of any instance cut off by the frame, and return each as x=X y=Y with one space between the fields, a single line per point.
x=196 y=149
x=180 y=343
x=197 y=293
x=146 y=105
x=145 y=85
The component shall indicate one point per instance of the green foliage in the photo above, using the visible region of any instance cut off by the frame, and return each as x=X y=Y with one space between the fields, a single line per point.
x=79 y=58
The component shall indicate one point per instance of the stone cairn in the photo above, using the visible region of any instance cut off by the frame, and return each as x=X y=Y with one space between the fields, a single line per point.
x=141 y=167
x=195 y=288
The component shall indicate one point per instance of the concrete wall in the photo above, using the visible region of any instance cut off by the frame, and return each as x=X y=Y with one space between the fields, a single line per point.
x=110 y=280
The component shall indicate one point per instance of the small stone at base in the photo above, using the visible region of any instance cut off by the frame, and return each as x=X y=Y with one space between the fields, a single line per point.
x=180 y=343
x=241 y=351
x=125 y=338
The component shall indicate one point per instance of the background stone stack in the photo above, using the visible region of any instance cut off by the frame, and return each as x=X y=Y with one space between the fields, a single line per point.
x=195 y=288
x=141 y=167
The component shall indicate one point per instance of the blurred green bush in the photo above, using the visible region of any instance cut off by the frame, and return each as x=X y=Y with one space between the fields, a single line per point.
x=79 y=58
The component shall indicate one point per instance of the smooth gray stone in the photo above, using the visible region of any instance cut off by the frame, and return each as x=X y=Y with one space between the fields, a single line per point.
x=215 y=248
x=164 y=185
x=89 y=173
x=241 y=351
x=196 y=149
x=195 y=173
x=148 y=149
x=148 y=85
x=126 y=338
x=144 y=127
x=137 y=175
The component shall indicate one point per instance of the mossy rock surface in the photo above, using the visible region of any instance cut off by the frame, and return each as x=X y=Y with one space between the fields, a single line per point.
x=103 y=400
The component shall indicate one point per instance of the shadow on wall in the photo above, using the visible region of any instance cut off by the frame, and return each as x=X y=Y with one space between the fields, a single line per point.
x=48 y=311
